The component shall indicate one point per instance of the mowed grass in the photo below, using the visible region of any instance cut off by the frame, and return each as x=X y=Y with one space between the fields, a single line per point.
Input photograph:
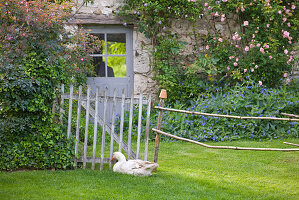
x=186 y=171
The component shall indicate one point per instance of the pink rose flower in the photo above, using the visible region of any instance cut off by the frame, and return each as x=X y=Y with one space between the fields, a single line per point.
x=285 y=75
x=251 y=69
x=293 y=7
x=286 y=51
x=245 y=23
x=270 y=57
x=207 y=47
x=256 y=66
x=246 y=48
x=220 y=40
x=260 y=83
x=245 y=70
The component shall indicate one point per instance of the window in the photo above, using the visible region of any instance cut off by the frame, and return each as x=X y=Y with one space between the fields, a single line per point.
x=111 y=60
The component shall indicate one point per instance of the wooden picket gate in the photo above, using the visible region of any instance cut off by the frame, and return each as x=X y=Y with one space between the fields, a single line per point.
x=92 y=103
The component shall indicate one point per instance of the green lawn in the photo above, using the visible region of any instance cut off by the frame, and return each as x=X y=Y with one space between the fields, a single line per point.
x=186 y=171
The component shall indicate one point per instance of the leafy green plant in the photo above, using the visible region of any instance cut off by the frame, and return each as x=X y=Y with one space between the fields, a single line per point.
x=36 y=57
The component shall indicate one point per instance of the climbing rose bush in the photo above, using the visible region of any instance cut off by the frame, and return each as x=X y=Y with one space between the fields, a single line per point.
x=260 y=48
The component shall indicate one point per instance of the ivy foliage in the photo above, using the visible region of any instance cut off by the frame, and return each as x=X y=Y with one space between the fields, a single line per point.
x=37 y=55
x=255 y=41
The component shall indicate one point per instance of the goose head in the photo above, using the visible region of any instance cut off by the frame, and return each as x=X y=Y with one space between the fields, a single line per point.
x=118 y=156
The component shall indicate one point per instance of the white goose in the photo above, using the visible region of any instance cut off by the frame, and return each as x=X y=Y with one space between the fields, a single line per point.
x=135 y=167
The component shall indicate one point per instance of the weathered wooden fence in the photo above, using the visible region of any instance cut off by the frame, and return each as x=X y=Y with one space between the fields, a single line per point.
x=95 y=102
x=159 y=122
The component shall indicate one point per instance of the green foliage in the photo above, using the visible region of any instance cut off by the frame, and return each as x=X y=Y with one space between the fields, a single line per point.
x=36 y=57
x=260 y=45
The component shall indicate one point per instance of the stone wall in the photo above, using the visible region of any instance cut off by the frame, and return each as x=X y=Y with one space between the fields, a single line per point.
x=102 y=12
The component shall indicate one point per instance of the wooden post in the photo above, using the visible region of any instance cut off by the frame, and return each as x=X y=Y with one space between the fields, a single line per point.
x=139 y=125
x=86 y=128
x=69 y=126
x=122 y=113
x=78 y=124
x=95 y=130
x=112 y=127
x=148 y=115
x=104 y=130
x=130 y=124
x=163 y=95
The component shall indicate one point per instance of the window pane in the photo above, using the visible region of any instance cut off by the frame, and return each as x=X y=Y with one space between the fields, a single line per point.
x=102 y=38
x=116 y=43
x=99 y=66
x=117 y=66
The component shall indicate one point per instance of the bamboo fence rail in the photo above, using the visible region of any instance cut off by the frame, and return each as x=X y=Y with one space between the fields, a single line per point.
x=222 y=147
x=163 y=96
x=226 y=116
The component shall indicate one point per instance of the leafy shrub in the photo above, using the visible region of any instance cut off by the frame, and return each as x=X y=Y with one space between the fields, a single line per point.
x=36 y=57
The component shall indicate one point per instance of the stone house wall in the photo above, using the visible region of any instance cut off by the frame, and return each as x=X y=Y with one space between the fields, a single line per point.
x=102 y=12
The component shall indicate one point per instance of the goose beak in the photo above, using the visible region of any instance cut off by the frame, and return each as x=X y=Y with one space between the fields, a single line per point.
x=112 y=159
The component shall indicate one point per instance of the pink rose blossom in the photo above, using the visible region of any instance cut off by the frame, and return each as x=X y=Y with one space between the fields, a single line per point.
x=266 y=46
x=220 y=40
x=256 y=66
x=270 y=57
x=285 y=75
x=262 y=50
x=268 y=25
x=251 y=69
x=292 y=52
x=82 y=59
x=237 y=59
x=253 y=36
x=286 y=34
x=242 y=9
x=293 y=7
x=235 y=64
x=245 y=23
x=246 y=48
x=206 y=4
x=245 y=70
x=228 y=68
x=224 y=0
x=258 y=44
x=290 y=42
x=6 y=3
x=260 y=83
x=286 y=51
x=288 y=80
x=289 y=24
x=207 y=47
x=237 y=46
x=279 y=12
x=252 y=45
x=222 y=18
x=287 y=11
